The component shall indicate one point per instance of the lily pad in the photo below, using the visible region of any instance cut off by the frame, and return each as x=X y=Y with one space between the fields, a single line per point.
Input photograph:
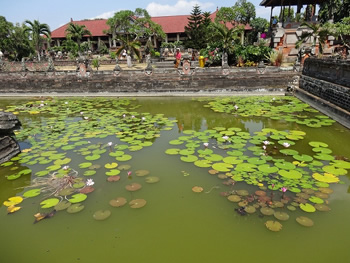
x=63 y=205
x=124 y=158
x=197 y=189
x=283 y=216
x=172 y=151
x=326 y=178
x=85 y=165
x=113 y=178
x=137 y=203
x=250 y=209
x=32 y=193
x=118 y=202
x=152 y=179
x=48 y=203
x=274 y=226
x=222 y=167
x=322 y=207
x=111 y=165
x=133 y=187
x=292 y=174
x=75 y=208
x=304 y=221
x=307 y=208
x=77 y=198
x=267 y=211
x=142 y=172
x=101 y=214
x=234 y=198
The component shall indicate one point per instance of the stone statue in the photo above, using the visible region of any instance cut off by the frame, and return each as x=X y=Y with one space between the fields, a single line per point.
x=148 y=62
x=24 y=68
x=128 y=61
x=51 y=67
x=117 y=67
x=225 y=60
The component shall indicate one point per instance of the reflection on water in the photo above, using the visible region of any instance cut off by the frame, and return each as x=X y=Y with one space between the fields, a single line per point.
x=176 y=225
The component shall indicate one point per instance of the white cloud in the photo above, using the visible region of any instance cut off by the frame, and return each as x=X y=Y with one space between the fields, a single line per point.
x=105 y=15
x=181 y=7
x=263 y=12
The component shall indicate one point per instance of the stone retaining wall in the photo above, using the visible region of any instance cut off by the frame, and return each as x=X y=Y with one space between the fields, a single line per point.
x=325 y=84
x=160 y=80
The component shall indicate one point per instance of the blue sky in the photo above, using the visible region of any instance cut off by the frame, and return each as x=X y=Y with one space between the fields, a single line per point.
x=57 y=13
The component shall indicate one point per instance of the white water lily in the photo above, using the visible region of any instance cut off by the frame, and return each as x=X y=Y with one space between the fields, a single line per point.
x=266 y=142
x=143 y=118
x=66 y=102
x=86 y=118
x=124 y=115
x=65 y=167
x=264 y=147
x=109 y=144
x=90 y=182
x=132 y=116
x=286 y=144
x=81 y=112
x=236 y=107
x=206 y=144
x=225 y=138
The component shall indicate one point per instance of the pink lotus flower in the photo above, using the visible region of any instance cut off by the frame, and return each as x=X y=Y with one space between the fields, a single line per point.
x=284 y=189
x=129 y=173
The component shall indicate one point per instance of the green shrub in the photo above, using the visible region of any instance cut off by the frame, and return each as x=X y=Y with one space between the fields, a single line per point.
x=112 y=55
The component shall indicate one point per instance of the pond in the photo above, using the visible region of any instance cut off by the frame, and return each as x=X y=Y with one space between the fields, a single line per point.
x=249 y=179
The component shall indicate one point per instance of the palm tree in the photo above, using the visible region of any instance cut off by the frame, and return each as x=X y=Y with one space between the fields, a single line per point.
x=77 y=32
x=226 y=36
x=316 y=33
x=36 y=30
x=131 y=46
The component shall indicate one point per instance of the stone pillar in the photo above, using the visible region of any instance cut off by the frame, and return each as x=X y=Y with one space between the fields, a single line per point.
x=58 y=42
x=166 y=38
x=110 y=41
x=177 y=37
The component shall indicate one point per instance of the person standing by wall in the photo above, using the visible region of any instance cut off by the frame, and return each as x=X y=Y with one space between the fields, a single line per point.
x=177 y=58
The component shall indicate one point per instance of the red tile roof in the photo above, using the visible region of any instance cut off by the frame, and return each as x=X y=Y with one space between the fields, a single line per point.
x=170 y=24
x=96 y=27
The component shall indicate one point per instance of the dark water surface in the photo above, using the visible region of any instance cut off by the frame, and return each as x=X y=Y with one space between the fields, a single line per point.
x=176 y=225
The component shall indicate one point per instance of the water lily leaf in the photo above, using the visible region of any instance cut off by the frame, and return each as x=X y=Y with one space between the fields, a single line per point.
x=203 y=163
x=250 y=209
x=101 y=214
x=242 y=192
x=85 y=165
x=234 y=198
x=322 y=150
x=341 y=164
x=245 y=167
x=172 y=151
x=93 y=157
x=283 y=216
x=322 y=207
x=334 y=170
x=133 y=187
x=77 y=198
x=113 y=172
x=75 y=208
x=303 y=158
x=12 y=209
x=32 y=193
x=232 y=160
x=274 y=226
x=285 y=165
x=197 y=189
x=318 y=144
x=256 y=160
x=316 y=200
x=304 y=221
x=111 y=165
x=176 y=142
x=142 y=172
x=289 y=152
x=48 y=203
x=124 y=158
x=118 y=202
x=113 y=178
x=267 y=211
x=63 y=205
x=222 y=167
x=12 y=201
x=307 y=208
x=292 y=174
x=265 y=168
x=189 y=158
x=152 y=179
x=89 y=173
x=326 y=178
x=324 y=157
x=137 y=203
x=214 y=157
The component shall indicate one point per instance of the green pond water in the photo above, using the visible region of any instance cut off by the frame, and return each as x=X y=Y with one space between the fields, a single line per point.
x=243 y=149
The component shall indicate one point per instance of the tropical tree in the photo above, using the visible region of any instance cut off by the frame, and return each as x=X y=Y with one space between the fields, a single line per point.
x=259 y=25
x=315 y=33
x=242 y=12
x=194 y=29
x=334 y=10
x=226 y=36
x=129 y=27
x=37 y=30
x=341 y=30
x=77 y=32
